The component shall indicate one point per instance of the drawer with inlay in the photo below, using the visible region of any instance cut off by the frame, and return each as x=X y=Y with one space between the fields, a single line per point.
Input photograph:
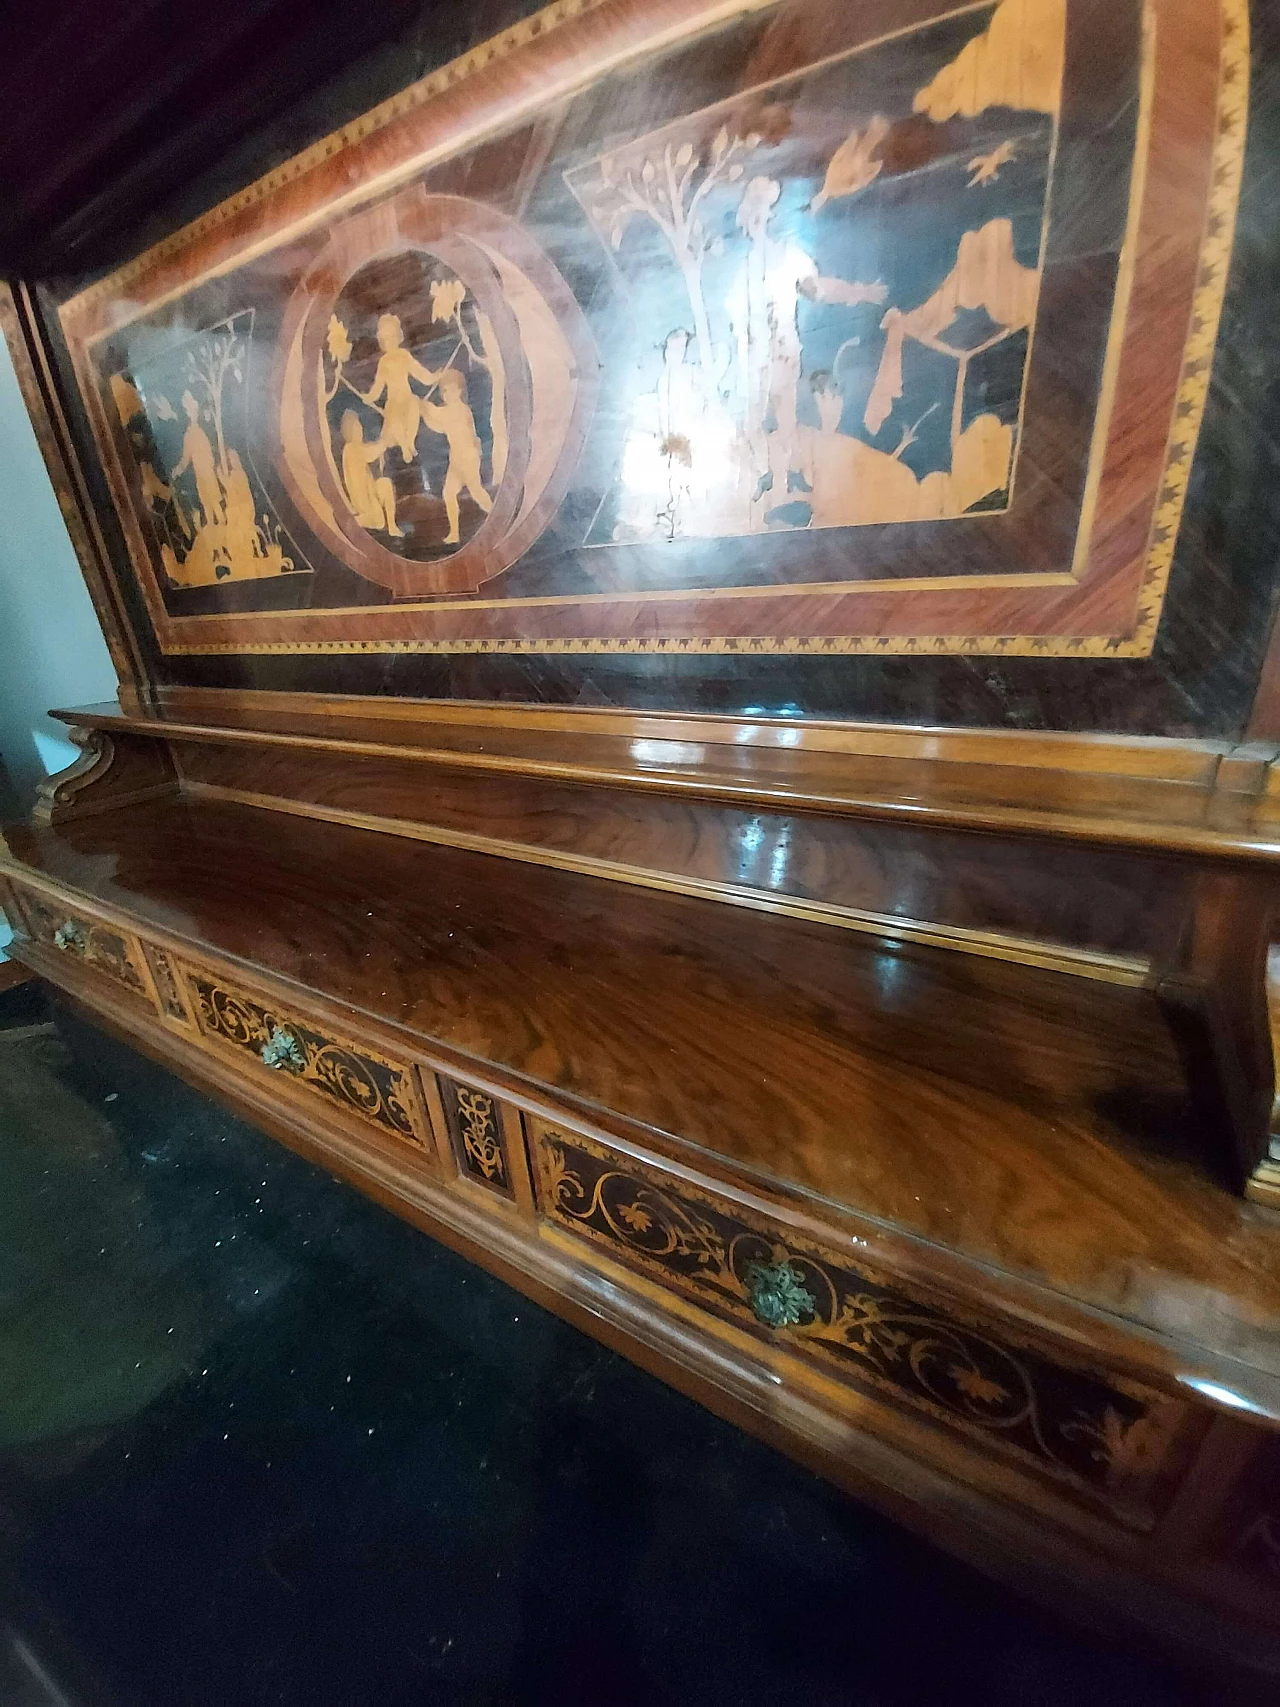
x=1118 y=1443
x=365 y=1086
x=102 y=950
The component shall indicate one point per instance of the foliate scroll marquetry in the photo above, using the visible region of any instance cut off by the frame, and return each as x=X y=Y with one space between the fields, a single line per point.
x=112 y=953
x=475 y=1132
x=169 y=991
x=1098 y=1433
x=357 y=1079
x=485 y=1137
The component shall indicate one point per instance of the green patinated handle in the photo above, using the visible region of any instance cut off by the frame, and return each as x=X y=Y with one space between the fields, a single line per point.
x=282 y=1049
x=70 y=935
x=777 y=1294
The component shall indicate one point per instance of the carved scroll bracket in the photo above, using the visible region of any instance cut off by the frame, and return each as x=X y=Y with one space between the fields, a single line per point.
x=112 y=771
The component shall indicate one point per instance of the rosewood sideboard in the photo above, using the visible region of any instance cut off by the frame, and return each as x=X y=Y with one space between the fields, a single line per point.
x=693 y=597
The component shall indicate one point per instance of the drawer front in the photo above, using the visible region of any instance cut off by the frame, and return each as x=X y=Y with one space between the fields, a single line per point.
x=1099 y=1434
x=482 y=1133
x=354 y=1078
x=173 y=999
x=112 y=953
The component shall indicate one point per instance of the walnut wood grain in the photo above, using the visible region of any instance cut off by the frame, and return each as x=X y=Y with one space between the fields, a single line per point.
x=964 y=1102
x=971 y=1021
x=110 y=774
x=1097 y=790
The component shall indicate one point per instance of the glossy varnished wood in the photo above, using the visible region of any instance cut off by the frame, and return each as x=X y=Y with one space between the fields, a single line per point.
x=1119 y=1588
x=957 y=1016
x=838 y=825
x=964 y=1106
x=1100 y=790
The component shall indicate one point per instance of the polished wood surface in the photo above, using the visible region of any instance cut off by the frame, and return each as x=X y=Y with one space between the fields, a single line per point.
x=842 y=979
x=109 y=774
x=1087 y=1310
x=859 y=1075
x=1173 y=795
x=532 y=787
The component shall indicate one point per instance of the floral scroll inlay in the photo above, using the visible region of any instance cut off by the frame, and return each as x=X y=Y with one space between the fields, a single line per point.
x=1095 y=1432
x=357 y=1079
x=475 y=1126
x=93 y=944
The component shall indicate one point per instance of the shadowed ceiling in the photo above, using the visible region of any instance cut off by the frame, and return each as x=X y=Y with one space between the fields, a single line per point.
x=109 y=106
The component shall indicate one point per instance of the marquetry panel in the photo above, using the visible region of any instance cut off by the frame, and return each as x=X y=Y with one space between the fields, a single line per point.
x=484 y=1136
x=1099 y=1434
x=168 y=984
x=357 y=1079
x=115 y=954
x=867 y=329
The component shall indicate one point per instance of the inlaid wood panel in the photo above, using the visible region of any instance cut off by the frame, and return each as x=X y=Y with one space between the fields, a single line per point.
x=172 y=995
x=483 y=1134
x=884 y=330
x=114 y=954
x=1045 y=1352
x=356 y=1079
x=1049 y=1133
x=1094 y=1432
x=475 y=1132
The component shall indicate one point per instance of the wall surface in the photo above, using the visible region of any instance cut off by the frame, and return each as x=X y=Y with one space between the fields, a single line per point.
x=51 y=649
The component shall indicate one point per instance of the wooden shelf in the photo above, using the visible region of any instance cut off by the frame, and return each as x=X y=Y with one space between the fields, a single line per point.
x=1201 y=797
x=1045 y=1152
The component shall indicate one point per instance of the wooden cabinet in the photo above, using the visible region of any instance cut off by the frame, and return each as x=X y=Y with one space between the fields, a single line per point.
x=693 y=595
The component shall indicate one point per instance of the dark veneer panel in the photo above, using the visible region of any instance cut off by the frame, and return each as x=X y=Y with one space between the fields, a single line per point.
x=1202 y=676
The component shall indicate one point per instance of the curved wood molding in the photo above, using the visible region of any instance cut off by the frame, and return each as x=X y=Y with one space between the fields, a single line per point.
x=112 y=772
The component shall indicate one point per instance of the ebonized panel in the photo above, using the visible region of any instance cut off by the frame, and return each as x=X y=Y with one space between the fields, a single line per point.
x=1098 y=1435
x=1209 y=646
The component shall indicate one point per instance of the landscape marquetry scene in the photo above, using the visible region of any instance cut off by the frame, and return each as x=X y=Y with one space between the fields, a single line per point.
x=798 y=305
x=842 y=273
x=809 y=305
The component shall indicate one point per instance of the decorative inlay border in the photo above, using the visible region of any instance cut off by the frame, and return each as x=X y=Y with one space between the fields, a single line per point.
x=1206 y=317
x=358 y=1079
x=82 y=939
x=1100 y=1434
x=1146 y=572
x=474 y=1121
x=541 y=23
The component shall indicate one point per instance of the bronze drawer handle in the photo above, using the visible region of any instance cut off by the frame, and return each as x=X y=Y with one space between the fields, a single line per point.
x=282 y=1049
x=777 y=1295
x=71 y=937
